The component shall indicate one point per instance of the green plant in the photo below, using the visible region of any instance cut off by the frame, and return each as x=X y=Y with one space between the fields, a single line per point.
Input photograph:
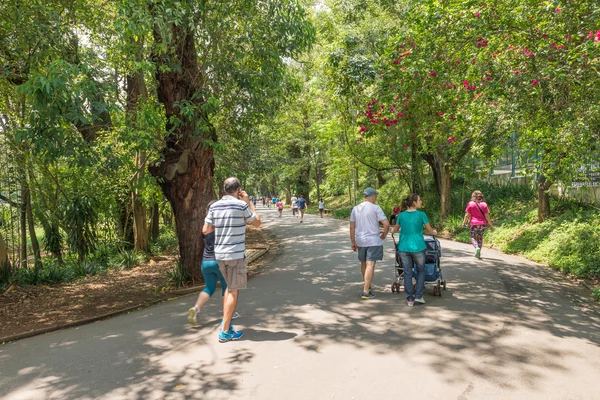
x=178 y=276
x=596 y=293
x=125 y=259
x=166 y=241
x=85 y=268
x=55 y=274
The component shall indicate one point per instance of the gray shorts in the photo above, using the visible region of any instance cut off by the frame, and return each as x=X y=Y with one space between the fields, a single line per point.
x=234 y=272
x=371 y=253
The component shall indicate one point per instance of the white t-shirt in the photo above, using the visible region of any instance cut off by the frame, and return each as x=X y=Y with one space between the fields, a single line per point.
x=321 y=205
x=294 y=202
x=366 y=216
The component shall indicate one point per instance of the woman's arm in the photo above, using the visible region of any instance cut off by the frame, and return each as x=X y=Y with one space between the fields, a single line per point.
x=396 y=228
x=430 y=230
x=466 y=218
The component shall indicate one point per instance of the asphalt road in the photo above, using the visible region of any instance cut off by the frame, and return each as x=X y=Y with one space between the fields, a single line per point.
x=505 y=329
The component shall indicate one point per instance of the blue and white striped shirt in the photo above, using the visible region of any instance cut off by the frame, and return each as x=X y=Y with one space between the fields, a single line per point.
x=229 y=216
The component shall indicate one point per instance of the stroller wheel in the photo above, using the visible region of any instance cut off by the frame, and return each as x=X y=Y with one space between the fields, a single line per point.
x=394 y=287
x=444 y=285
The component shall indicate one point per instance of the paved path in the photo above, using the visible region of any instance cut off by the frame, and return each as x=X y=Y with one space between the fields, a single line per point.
x=504 y=329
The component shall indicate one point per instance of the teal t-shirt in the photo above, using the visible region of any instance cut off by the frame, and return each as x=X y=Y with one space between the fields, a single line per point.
x=411 y=231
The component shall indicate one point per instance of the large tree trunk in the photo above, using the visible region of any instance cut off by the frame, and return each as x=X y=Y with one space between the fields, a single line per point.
x=543 y=198
x=187 y=164
x=154 y=230
x=445 y=197
x=23 y=224
x=4 y=262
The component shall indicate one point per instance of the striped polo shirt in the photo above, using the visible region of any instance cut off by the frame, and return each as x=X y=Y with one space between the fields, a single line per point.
x=229 y=216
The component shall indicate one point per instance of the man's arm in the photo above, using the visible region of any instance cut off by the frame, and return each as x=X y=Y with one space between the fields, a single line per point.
x=353 y=235
x=255 y=222
x=386 y=228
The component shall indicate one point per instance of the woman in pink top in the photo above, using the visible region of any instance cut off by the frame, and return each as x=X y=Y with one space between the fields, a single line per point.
x=279 y=206
x=478 y=214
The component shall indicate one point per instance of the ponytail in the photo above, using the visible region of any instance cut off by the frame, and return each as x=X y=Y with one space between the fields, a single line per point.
x=409 y=201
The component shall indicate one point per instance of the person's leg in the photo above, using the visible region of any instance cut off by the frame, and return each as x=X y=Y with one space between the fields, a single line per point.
x=229 y=306
x=419 y=260
x=473 y=233
x=368 y=275
x=407 y=265
x=210 y=277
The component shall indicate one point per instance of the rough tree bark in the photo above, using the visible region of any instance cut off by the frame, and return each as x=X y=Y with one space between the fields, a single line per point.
x=543 y=198
x=187 y=164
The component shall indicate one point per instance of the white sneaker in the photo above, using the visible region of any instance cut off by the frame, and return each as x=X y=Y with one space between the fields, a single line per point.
x=192 y=316
x=420 y=300
x=478 y=253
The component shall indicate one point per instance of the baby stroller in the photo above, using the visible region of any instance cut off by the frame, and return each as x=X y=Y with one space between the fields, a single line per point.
x=433 y=271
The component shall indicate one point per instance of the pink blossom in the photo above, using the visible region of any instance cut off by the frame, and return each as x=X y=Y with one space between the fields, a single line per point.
x=405 y=146
x=568 y=37
x=360 y=139
x=597 y=38
x=528 y=52
x=558 y=10
x=477 y=14
x=466 y=84
x=396 y=62
x=561 y=47
x=432 y=74
x=400 y=115
x=451 y=139
x=441 y=114
x=481 y=42
x=363 y=128
x=553 y=45
x=517 y=72
x=545 y=36
x=590 y=35
x=534 y=82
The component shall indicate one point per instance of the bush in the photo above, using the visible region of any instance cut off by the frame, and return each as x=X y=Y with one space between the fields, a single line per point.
x=125 y=259
x=86 y=268
x=166 y=241
x=342 y=212
x=178 y=276
x=597 y=293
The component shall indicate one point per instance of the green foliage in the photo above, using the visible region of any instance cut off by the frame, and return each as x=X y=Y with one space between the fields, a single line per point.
x=86 y=268
x=126 y=259
x=166 y=241
x=597 y=293
x=342 y=212
x=80 y=218
x=178 y=276
x=51 y=274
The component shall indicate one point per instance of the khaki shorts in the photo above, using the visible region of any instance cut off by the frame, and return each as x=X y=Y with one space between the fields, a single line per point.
x=235 y=273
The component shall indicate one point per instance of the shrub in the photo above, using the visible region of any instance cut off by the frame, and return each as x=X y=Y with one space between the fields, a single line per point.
x=597 y=293
x=178 y=276
x=125 y=259
x=85 y=268
x=166 y=241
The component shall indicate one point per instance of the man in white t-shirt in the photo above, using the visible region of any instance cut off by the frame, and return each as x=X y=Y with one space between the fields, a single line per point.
x=366 y=238
x=294 y=206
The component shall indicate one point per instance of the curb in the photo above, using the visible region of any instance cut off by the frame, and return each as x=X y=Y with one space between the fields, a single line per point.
x=173 y=295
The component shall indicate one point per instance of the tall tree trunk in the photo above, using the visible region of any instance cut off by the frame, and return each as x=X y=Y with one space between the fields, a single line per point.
x=4 y=261
x=543 y=198
x=317 y=183
x=154 y=230
x=187 y=164
x=23 y=223
x=445 y=197
x=288 y=194
x=380 y=179
x=414 y=169
x=31 y=225
x=136 y=92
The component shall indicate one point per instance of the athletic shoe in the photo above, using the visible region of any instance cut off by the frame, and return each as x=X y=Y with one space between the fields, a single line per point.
x=235 y=315
x=192 y=316
x=478 y=253
x=229 y=335
x=301 y=221
x=410 y=303
x=367 y=296
x=420 y=300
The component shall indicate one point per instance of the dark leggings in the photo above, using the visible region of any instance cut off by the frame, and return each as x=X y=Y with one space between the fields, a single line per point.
x=477 y=235
x=212 y=274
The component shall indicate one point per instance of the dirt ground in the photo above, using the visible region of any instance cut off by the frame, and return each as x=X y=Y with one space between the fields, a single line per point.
x=26 y=309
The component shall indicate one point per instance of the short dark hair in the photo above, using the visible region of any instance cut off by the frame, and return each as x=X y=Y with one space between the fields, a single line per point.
x=231 y=185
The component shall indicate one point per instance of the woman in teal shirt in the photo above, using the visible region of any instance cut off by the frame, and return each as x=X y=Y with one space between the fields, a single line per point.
x=412 y=246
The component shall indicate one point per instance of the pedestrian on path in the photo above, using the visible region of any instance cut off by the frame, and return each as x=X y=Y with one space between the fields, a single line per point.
x=478 y=215
x=366 y=238
x=302 y=207
x=321 y=207
x=279 y=207
x=412 y=246
x=228 y=218
x=212 y=275
x=294 y=206
x=395 y=211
